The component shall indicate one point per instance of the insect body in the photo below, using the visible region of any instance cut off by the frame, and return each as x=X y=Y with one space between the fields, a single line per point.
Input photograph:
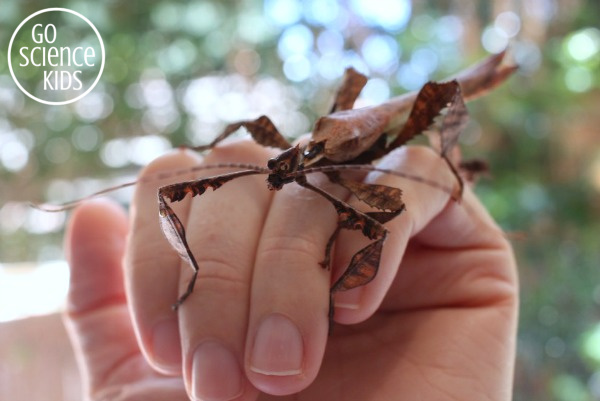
x=348 y=139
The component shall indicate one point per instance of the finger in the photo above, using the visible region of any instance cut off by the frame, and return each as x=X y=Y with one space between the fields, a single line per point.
x=223 y=228
x=152 y=268
x=457 y=225
x=96 y=315
x=290 y=291
x=460 y=258
x=448 y=275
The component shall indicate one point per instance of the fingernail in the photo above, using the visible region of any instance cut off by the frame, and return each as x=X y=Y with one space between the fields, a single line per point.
x=216 y=374
x=278 y=347
x=166 y=347
x=348 y=299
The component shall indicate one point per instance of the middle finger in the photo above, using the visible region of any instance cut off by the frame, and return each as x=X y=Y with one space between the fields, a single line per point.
x=222 y=230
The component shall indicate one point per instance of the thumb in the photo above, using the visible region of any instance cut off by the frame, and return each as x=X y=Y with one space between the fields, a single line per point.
x=97 y=318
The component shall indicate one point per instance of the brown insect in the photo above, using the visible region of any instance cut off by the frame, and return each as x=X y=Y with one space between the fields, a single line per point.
x=348 y=139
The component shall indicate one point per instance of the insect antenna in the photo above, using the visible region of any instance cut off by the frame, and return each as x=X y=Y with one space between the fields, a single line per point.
x=151 y=178
x=369 y=167
x=469 y=209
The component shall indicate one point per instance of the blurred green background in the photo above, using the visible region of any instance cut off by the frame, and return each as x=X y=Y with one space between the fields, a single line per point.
x=177 y=72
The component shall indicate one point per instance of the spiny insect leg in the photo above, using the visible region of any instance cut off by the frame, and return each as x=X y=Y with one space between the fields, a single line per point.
x=378 y=196
x=174 y=231
x=381 y=197
x=485 y=76
x=178 y=191
x=351 y=219
x=384 y=217
x=365 y=263
x=326 y=262
x=262 y=130
x=173 y=228
x=362 y=269
x=453 y=124
x=458 y=192
x=432 y=99
x=473 y=169
x=352 y=84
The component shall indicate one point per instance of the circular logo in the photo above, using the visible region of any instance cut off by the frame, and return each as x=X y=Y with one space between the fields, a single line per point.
x=56 y=56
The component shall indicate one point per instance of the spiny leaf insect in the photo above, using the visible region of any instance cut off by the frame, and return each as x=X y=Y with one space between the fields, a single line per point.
x=345 y=139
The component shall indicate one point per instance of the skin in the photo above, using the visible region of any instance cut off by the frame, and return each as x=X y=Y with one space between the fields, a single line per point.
x=438 y=321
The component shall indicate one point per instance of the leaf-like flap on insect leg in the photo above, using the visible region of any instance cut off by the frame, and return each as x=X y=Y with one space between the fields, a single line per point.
x=352 y=84
x=265 y=133
x=384 y=217
x=473 y=169
x=485 y=76
x=431 y=100
x=381 y=197
x=174 y=231
x=453 y=123
x=346 y=134
x=450 y=126
x=262 y=130
x=362 y=269
x=176 y=192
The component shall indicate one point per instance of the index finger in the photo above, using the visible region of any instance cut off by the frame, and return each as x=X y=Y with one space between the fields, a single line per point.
x=151 y=268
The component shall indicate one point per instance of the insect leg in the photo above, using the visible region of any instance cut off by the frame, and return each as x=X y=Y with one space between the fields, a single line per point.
x=381 y=197
x=262 y=129
x=173 y=228
x=352 y=84
x=381 y=217
x=174 y=231
x=359 y=271
x=365 y=263
x=485 y=76
x=432 y=99
x=326 y=262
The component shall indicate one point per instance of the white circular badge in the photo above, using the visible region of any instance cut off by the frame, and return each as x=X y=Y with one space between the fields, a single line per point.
x=59 y=57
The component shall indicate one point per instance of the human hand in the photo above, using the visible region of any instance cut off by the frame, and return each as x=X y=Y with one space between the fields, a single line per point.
x=97 y=317
x=441 y=312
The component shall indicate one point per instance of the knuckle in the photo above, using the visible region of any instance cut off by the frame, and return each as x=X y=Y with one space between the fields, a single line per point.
x=138 y=259
x=287 y=247
x=220 y=273
x=239 y=150
x=422 y=151
x=414 y=155
x=174 y=159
